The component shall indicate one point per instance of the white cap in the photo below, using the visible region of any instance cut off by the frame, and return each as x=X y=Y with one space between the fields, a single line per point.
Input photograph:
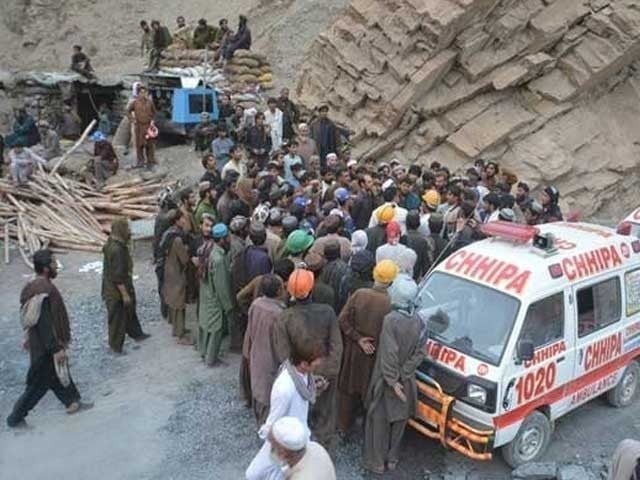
x=352 y=162
x=388 y=183
x=331 y=156
x=291 y=433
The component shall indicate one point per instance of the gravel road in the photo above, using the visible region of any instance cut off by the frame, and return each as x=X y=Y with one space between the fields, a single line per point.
x=160 y=414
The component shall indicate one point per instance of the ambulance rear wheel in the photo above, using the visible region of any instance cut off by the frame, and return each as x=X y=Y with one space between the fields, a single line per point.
x=623 y=394
x=531 y=442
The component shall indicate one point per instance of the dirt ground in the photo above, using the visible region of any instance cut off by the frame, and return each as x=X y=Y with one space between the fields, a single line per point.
x=161 y=414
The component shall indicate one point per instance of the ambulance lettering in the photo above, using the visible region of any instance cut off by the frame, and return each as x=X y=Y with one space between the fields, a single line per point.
x=590 y=263
x=543 y=354
x=489 y=270
x=594 y=389
x=445 y=355
x=600 y=352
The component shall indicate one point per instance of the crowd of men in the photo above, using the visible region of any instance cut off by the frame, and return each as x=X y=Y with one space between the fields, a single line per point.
x=307 y=259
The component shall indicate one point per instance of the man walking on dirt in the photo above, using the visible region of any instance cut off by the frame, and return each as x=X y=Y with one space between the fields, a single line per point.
x=141 y=113
x=44 y=318
x=117 y=287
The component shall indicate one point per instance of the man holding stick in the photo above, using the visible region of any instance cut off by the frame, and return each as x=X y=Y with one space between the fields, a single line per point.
x=117 y=287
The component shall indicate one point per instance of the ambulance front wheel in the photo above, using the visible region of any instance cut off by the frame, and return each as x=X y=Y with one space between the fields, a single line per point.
x=531 y=441
x=623 y=394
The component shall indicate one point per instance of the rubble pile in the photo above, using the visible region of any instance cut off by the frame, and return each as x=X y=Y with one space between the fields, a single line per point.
x=549 y=88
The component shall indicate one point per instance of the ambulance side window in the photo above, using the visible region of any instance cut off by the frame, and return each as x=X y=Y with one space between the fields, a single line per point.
x=544 y=323
x=599 y=305
x=632 y=289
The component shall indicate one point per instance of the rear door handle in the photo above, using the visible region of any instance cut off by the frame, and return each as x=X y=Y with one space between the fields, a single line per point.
x=561 y=359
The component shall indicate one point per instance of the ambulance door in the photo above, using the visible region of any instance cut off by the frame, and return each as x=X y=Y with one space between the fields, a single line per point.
x=598 y=314
x=540 y=381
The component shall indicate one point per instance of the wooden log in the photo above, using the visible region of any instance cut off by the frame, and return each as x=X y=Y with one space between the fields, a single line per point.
x=74 y=147
x=6 y=245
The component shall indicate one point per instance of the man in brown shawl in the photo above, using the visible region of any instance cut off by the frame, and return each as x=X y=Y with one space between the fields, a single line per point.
x=118 y=293
x=393 y=393
x=45 y=318
x=174 y=288
x=258 y=348
x=303 y=322
x=361 y=323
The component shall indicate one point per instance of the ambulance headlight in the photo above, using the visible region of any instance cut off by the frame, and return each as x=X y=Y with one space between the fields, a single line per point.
x=476 y=393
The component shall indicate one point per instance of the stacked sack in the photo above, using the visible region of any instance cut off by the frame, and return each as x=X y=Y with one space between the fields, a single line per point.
x=179 y=58
x=248 y=68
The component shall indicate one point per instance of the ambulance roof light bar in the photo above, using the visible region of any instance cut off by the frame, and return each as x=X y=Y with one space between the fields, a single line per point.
x=510 y=231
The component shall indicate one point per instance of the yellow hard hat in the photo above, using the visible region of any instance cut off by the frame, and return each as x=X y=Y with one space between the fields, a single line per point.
x=385 y=271
x=431 y=198
x=386 y=213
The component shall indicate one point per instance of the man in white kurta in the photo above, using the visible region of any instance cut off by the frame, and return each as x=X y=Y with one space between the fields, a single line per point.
x=286 y=401
x=273 y=118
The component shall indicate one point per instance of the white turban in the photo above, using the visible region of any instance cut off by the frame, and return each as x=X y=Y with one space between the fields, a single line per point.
x=290 y=433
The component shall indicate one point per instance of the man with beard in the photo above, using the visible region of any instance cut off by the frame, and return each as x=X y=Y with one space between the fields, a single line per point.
x=240 y=40
x=204 y=133
x=118 y=292
x=491 y=171
x=522 y=194
x=141 y=113
x=364 y=203
x=48 y=334
x=163 y=221
x=258 y=141
x=308 y=322
x=290 y=112
x=176 y=251
x=549 y=198
x=361 y=324
x=223 y=206
x=392 y=394
x=252 y=262
x=307 y=147
x=216 y=298
x=273 y=117
x=258 y=348
x=326 y=135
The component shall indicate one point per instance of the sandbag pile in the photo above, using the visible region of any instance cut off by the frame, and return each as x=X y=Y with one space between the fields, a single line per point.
x=182 y=58
x=248 y=68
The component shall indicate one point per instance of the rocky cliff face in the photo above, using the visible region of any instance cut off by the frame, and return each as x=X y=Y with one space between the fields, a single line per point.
x=547 y=87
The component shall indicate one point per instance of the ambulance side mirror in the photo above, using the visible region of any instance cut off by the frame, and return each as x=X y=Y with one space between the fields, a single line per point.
x=525 y=350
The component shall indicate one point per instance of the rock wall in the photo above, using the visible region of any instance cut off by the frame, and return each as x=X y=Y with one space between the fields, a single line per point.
x=547 y=87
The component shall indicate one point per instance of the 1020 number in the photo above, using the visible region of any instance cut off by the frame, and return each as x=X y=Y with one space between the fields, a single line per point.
x=534 y=384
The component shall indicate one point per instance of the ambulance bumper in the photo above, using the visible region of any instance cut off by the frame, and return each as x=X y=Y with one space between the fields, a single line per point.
x=435 y=419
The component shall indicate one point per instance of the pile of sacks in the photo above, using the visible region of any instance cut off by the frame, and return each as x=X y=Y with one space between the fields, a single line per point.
x=248 y=68
x=179 y=58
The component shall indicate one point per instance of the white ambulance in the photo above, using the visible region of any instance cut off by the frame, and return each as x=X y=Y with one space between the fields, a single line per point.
x=525 y=326
x=631 y=224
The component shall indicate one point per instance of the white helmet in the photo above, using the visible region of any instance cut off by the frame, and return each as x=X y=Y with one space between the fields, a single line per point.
x=261 y=213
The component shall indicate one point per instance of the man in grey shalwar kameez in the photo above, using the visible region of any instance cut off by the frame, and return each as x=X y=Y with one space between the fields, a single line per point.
x=392 y=394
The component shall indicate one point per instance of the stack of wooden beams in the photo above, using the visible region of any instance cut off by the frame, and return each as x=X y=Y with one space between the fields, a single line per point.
x=65 y=214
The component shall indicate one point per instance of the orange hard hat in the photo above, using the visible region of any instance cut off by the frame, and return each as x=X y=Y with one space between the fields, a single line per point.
x=300 y=283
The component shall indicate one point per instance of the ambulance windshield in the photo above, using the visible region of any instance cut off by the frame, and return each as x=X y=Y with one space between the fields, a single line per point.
x=467 y=316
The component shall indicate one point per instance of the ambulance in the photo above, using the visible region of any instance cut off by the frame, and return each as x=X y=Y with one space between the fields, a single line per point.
x=524 y=327
x=631 y=224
